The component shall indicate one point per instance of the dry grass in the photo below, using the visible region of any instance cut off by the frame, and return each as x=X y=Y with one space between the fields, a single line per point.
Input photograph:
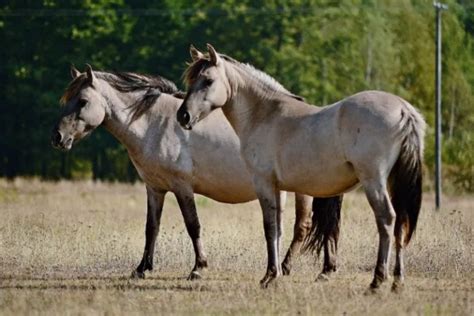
x=68 y=248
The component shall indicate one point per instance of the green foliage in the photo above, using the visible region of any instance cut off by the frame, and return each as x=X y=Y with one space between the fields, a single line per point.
x=322 y=49
x=460 y=153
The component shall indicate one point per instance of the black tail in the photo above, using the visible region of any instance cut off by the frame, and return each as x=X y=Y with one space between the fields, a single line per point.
x=405 y=179
x=405 y=184
x=326 y=219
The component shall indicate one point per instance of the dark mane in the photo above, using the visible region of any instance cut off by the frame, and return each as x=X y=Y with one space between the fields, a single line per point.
x=127 y=82
x=195 y=68
x=130 y=82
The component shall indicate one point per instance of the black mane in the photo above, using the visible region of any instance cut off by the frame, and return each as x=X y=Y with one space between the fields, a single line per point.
x=126 y=82
x=153 y=85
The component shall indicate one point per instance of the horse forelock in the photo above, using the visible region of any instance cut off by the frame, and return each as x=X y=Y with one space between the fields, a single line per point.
x=196 y=67
x=194 y=70
x=73 y=89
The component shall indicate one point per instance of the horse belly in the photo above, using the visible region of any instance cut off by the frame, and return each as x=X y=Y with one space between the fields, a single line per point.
x=223 y=182
x=321 y=180
x=220 y=174
x=226 y=191
x=318 y=167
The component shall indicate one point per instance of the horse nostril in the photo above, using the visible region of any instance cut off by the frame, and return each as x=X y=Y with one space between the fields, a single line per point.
x=184 y=117
x=56 y=137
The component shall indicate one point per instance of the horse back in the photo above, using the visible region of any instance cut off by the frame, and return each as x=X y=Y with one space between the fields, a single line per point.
x=328 y=151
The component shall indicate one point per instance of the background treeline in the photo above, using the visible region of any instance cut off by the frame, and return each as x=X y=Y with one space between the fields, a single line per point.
x=323 y=50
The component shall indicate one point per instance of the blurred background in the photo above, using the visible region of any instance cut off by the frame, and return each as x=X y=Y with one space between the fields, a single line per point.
x=321 y=49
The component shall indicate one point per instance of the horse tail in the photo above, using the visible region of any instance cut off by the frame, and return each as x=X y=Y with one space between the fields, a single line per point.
x=326 y=221
x=405 y=179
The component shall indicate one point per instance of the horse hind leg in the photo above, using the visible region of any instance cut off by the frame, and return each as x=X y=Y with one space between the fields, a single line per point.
x=324 y=232
x=399 y=270
x=300 y=231
x=331 y=207
x=406 y=191
x=379 y=200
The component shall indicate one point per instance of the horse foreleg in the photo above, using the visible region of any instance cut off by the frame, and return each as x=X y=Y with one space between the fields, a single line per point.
x=155 y=201
x=301 y=229
x=282 y=202
x=269 y=199
x=191 y=219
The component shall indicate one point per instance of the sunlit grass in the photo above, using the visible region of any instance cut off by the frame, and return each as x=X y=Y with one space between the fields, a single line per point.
x=70 y=247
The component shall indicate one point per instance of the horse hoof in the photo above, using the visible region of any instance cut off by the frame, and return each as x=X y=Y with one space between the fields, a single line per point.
x=267 y=280
x=194 y=275
x=264 y=284
x=137 y=275
x=374 y=287
x=397 y=287
x=286 y=269
x=322 y=277
x=371 y=291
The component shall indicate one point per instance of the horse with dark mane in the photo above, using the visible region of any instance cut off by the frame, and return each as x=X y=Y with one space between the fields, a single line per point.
x=373 y=139
x=140 y=111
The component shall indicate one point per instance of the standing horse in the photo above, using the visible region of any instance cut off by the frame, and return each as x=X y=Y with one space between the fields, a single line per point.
x=139 y=111
x=372 y=138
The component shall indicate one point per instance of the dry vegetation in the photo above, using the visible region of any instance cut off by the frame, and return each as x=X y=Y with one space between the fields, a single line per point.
x=70 y=247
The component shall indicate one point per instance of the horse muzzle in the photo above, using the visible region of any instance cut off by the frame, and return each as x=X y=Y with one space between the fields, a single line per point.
x=58 y=141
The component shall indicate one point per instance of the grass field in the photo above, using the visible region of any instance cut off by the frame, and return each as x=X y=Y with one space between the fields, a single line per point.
x=69 y=248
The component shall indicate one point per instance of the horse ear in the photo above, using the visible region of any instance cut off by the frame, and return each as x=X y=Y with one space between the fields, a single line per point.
x=74 y=72
x=215 y=59
x=195 y=53
x=90 y=74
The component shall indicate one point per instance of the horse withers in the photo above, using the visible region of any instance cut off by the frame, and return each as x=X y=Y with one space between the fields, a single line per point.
x=373 y=138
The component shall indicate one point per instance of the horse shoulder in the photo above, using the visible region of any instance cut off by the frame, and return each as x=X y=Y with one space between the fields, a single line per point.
x=164 y=154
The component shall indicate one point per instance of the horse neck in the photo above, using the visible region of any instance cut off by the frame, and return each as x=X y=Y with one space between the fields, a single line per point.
x=248 y=103
x=117 y=120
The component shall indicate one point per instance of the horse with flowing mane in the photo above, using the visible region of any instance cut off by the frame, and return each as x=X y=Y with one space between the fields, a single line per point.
x=140 y=111
x=373 y=139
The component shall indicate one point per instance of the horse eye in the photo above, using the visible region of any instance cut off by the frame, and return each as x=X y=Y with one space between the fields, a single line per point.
x=207 y=82
x=82 y=102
